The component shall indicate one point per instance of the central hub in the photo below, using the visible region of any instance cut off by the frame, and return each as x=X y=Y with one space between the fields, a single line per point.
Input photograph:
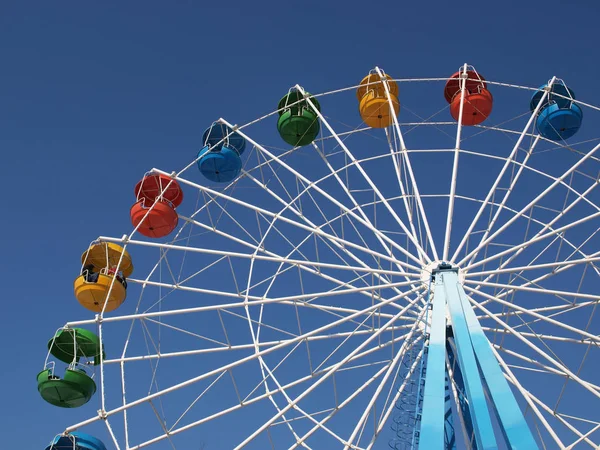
x=434 y=266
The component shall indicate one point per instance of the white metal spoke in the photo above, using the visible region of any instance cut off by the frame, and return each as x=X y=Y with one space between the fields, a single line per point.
x=292 y=300
x=569 y=263
x=555 y=363
x=254 y=356
x=531 y=204
x=510 y=376
x=454 y=177
x=509 y=160
x=304 y=265
x=409 y=169
x=355 y=203
x=357 y=164
x=305 y=227
x=325 y=376
x=315 y=186
x=534 y=240
x=493 y=189
x=514 y=287
x=338 y=244
x=389 y=371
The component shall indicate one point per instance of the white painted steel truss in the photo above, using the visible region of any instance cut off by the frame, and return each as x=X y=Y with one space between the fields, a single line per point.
x=288 y=309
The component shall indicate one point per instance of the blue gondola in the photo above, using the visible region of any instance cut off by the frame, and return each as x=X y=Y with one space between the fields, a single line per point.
x=76 y=441
x=219 y=160
x=559 y=118
x=557 y=123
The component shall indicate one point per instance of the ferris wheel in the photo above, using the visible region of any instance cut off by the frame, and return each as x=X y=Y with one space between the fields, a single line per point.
x=406 y=263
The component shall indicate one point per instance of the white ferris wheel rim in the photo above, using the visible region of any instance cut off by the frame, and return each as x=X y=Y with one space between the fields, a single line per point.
x=413 y=266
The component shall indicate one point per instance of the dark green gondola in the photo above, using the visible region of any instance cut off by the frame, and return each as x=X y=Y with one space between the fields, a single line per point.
x=298 y=124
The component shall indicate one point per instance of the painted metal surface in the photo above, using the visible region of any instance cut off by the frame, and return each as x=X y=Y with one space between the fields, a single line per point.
x=77 y=441
x=461 y=369
x=464 y=415
x=484 y=432
x=514 y=427
x=449 y=434
x=432 y=418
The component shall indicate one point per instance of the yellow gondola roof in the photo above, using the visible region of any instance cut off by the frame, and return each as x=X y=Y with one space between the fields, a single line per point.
x=105 y=255
x=372 y=82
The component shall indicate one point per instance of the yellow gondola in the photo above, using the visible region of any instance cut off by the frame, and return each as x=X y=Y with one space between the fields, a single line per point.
x=92 y=287
x=373 y=105
x=106 y=255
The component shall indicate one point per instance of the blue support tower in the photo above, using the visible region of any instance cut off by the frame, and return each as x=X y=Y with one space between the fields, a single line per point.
x=461 y=398
x=449 y=435
x=484 y=431
x=434 y=398
x=458 y=347
x=512 y=423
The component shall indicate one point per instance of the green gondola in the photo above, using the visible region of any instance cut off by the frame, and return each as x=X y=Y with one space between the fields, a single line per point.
x=76 y=387
x=298 y=124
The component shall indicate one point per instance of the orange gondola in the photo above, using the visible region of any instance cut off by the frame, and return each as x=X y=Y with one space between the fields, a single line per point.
x=477 y=100
x=154 y=212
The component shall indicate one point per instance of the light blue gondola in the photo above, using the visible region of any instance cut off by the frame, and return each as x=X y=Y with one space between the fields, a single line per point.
x=559 y=118
x=219 y=160
x=76 y=441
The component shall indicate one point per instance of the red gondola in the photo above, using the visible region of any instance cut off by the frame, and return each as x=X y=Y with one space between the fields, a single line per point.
x=477 y=100
x=152 y=185
x=155 y=213
x=474 y=81
x=477 y=107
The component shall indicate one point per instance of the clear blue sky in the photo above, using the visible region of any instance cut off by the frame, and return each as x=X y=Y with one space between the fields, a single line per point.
x=93 y=94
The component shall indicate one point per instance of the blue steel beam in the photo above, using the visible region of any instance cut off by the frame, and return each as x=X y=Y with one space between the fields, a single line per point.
x=449 y=434
x=463 y=405
x=484 y=432
x=477 y=369
x=432 y=418
x=514 y=427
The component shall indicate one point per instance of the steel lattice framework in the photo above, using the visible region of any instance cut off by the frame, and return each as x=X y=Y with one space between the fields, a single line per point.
x=295 y=306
